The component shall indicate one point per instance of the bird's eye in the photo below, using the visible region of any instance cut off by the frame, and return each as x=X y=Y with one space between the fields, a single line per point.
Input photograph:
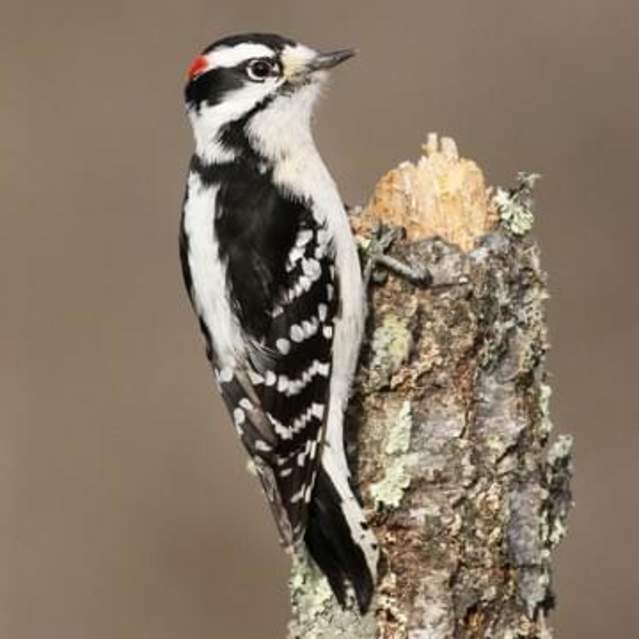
x=259 y=70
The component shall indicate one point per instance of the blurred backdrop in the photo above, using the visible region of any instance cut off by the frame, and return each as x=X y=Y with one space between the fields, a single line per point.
x=125 y=508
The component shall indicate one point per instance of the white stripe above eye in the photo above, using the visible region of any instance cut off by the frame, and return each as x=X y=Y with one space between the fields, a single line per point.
x=232 y=56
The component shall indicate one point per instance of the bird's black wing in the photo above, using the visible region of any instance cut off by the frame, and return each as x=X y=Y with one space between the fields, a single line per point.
x=283 y=288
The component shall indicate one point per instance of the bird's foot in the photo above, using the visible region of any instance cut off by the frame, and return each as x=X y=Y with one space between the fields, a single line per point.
x=376 y=257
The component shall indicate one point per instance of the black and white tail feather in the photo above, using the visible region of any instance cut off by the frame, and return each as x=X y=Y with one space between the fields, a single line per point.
x=273 y=274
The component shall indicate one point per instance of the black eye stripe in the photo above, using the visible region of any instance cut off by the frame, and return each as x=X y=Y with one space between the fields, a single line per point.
x=215 y=84
x=212 y=87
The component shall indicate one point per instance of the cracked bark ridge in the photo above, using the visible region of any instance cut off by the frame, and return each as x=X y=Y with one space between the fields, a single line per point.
x=449 y=422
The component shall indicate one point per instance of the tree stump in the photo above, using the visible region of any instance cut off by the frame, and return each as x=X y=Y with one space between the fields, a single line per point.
x=449 y=425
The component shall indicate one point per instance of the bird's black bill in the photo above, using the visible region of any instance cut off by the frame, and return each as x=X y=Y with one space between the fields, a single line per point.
x=330 y=59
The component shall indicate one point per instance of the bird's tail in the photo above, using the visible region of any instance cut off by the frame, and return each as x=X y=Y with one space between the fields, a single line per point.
x=337 y=535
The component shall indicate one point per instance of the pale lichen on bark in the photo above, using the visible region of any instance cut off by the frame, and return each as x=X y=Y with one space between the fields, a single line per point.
x=449 y=421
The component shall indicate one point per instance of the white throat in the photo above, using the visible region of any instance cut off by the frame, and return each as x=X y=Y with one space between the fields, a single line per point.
x=283 y=128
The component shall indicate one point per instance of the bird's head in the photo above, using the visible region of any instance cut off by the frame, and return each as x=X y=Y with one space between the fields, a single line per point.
x=256 y=90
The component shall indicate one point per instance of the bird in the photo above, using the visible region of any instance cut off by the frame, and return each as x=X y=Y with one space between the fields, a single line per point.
x=272 y=272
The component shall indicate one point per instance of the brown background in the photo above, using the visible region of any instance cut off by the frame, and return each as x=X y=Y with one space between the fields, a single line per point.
x=125 y=509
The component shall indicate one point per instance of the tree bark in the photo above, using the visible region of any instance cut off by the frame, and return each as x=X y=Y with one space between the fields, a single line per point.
x=449 y=419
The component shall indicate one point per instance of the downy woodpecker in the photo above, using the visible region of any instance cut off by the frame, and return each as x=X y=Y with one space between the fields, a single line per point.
x=272 y=271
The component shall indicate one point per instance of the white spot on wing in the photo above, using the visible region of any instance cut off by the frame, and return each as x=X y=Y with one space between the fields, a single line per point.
x=312 y=269
x=304 y=237
x=280 y=430
x=323 y=370
x=317 y=410
x=296 y=254
x=309 y=328
x=283 y=346
x=296 y=332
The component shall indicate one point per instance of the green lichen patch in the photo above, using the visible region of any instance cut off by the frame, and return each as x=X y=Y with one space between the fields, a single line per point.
x=388 y=492
x=398 y=438
x=545 y=391
x=390 y=347
x=316 y=612
x=309 y=588
x=516 y=206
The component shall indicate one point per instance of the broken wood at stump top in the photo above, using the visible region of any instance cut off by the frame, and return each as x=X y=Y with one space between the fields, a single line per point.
x=442 y=195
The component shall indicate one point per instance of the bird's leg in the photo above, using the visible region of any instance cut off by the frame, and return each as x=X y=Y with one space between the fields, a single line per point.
x=376 y=257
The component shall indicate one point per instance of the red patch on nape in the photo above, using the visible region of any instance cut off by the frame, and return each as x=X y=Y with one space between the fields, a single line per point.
x=198 y=66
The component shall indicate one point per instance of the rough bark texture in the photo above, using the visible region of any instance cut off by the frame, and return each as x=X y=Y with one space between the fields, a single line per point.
x=449 y=418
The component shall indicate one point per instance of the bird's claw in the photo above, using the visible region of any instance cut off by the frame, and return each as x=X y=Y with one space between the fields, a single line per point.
x=376 y=256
